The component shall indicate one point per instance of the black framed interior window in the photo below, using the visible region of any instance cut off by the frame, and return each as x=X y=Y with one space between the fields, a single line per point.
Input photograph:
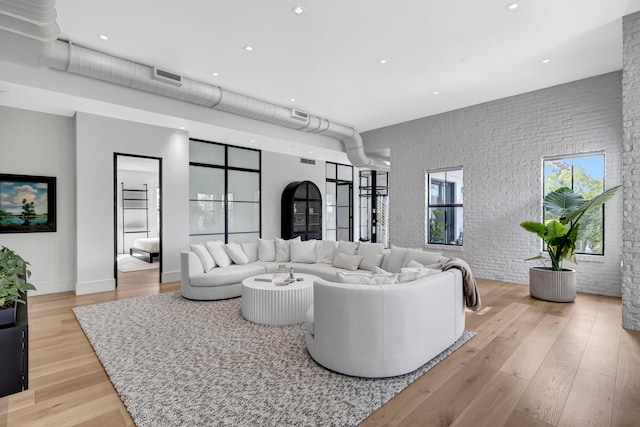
x=444 y=219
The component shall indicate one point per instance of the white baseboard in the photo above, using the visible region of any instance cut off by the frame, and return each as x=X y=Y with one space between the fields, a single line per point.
x=170 y=276
x=83 y=288
x=52 y=287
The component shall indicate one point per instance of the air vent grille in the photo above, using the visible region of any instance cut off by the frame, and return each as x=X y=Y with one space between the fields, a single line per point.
x=308 y=161
x=167 y=77
x=300 y=115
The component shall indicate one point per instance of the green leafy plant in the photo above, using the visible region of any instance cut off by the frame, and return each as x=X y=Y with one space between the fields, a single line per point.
x=560 y=235
x=13 y=278
x=436 y=227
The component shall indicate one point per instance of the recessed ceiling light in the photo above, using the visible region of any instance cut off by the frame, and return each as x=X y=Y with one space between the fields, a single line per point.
x=103 y=37
x=310 y=152
x=248 y=48
x=253 y=140
x=215 y=74
x=383 y=61
x=511 y=6
x=298 y=10
x=292 y=99
x=436 y=92
x=182 y=127
x=546 y=61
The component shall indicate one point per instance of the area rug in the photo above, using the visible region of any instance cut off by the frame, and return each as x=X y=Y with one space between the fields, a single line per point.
x=177 y=362
x=127 y=263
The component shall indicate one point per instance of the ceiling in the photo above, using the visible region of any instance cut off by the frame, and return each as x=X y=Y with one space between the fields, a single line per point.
x=328 y=58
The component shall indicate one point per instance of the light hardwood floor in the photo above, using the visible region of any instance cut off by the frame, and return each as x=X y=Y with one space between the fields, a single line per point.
x=532 y=363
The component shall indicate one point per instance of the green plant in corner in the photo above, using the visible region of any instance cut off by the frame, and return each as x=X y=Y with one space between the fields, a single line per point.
x=13 y=278
x=560 y=235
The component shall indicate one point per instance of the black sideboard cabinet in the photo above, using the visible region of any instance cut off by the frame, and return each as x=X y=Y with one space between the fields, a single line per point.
x=14 y=351
x=301 y=211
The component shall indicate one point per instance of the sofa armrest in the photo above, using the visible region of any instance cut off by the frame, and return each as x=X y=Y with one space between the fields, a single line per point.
x=189 y=265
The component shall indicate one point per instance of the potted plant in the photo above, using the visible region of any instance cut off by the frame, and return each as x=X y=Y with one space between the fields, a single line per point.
x=13 y=284
x=556 y=283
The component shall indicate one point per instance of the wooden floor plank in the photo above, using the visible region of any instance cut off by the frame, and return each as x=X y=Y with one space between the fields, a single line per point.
x=590 y=401
x=494 y=405
x=496 y=324
x=626 y=403
x=548 y=390
x=526 y=360
x=601 y=354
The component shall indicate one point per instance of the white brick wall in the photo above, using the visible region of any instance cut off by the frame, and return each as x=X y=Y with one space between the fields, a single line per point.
x=631 y=159
x=500 y=144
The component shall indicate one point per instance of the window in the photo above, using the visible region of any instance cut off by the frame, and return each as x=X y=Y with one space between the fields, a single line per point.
x=339 y=201
x=374 y=206
x=224 y=192
x=444 y=207
x=584 y=175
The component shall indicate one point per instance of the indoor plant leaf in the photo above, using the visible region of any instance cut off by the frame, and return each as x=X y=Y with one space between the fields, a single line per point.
x=562 y=201
x=534 y=227
x=602 y=198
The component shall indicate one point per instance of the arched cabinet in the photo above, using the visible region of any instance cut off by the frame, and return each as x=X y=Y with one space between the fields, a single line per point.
x=302 y=211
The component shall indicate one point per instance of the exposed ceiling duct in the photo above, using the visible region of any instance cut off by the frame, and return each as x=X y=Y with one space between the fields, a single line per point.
x=30 y=31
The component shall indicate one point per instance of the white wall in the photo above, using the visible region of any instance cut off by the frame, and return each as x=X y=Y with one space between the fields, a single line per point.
x=500 y=145
x=98 y=138
x=279 y=170
x=42 y=144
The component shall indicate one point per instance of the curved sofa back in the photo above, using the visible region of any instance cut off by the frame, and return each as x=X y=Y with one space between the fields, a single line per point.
x=385 y=330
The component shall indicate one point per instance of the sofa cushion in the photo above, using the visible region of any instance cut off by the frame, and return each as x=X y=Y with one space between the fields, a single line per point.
x=354 y=278
x=230 y=275
x=411 y=274
x=325 y=251
x=251 y=250
x=396 y=258
x=204 y=256
x=266 y=250
x=283 y=249
x=322 y=270
x=303 y=251
x=348 y=262
x=423 y=257
x=308 y=318
x=216 y=248
x=349 y=248
x=372 y=255
x=236 y=253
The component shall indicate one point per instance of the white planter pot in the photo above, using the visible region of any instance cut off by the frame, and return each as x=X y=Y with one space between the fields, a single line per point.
x=549 y=285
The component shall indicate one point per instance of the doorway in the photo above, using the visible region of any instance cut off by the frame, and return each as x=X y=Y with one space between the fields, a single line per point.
x=137 y=202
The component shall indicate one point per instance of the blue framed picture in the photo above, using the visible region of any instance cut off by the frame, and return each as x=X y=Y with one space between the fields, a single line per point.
x=27 y=204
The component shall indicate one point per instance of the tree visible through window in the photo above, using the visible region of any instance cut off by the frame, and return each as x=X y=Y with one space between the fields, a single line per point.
x=444 y=207
x=585 y=176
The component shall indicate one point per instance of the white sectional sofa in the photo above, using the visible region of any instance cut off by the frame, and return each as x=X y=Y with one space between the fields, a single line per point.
x=384 y=330
x=221 y=276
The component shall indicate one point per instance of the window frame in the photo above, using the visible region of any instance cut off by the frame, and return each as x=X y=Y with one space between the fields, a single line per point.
x=227 y=203
x=429 y=205
x=337 y=181
x=544 y=192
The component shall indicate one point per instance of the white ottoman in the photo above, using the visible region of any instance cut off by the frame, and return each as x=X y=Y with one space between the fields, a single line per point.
x=263 y=302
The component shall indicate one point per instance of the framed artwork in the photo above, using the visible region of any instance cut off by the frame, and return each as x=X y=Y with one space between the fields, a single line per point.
x=27 y=204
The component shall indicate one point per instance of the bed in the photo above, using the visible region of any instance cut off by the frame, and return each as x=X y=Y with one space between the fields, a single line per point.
x=146 y=249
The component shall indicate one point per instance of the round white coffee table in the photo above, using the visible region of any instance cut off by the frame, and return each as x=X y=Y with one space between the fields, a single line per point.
x=263 y=302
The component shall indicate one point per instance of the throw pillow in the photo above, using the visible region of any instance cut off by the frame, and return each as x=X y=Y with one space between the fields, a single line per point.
x=396 y=258
x=423 y=257
x=378 y=270
x=251 y=250
x=349 y=248
x=236 y=253
x=382 y=279
x=325 y=251
x=348 y=262
x=411 y=274
x=303 y=251
x=354 y=278
x=216 y=249
x=283 y=249
x=413 y=264
x=266 y=250
x=204 y=256
x=372 y=255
